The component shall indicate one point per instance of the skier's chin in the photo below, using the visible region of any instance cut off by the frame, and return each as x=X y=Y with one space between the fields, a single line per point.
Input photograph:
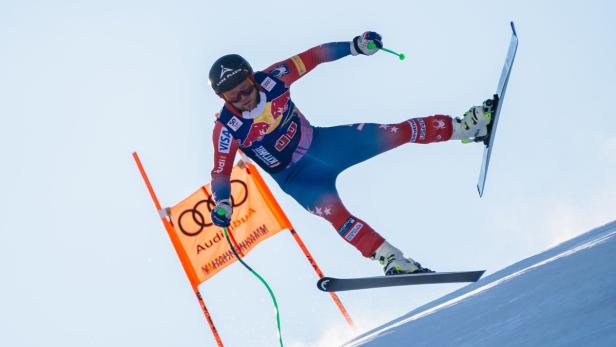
x=247 y=106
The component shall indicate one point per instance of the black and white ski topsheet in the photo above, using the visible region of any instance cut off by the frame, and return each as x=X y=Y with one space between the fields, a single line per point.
x=330 y=284
x=498 y=98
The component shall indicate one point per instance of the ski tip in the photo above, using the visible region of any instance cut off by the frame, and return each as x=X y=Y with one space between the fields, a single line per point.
x=513 y=28
x=323 y=283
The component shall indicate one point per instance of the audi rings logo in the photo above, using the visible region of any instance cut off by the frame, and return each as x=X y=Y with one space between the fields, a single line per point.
x=198 y=218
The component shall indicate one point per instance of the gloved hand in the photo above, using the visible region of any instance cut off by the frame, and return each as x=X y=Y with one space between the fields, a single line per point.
x=360 y=43
x=221 y=213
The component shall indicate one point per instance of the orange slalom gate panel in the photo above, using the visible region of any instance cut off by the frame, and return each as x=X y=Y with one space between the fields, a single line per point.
x=204 y=243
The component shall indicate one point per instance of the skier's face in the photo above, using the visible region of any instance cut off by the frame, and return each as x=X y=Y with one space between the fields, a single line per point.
x=244 y=96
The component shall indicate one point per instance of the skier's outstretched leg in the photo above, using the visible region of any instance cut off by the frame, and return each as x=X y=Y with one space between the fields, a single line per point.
x=312 y=183
x=352 y=144
x=344 y=146
x=361 y=235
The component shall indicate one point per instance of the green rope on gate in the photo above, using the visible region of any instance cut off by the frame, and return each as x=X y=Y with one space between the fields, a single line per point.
x=262 y=281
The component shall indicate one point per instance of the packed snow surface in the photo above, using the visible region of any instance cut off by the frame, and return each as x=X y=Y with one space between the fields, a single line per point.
x=565 y=296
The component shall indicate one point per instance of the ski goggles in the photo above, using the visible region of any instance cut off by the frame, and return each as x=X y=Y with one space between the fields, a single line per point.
x=245 y=89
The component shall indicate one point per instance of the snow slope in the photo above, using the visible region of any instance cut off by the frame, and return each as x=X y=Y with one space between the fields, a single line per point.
x=565 y=296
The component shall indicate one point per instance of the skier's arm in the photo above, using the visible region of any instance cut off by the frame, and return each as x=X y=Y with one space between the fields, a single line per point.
x=225 y=148
x=292 y=69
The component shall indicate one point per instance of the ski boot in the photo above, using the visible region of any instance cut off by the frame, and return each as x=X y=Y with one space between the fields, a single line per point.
x=475 y=124
x=394 y=261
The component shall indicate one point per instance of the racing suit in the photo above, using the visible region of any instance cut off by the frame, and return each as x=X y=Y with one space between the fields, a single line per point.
x=306 y=160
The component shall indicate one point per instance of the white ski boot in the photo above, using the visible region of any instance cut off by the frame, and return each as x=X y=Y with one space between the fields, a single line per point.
x=394 y=261
x=474 y=124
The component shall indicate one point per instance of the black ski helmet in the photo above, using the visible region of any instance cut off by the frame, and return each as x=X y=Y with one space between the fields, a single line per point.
x=229 y=71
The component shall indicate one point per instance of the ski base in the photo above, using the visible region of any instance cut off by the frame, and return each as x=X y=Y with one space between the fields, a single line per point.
x=498 y=98
x=330 y=284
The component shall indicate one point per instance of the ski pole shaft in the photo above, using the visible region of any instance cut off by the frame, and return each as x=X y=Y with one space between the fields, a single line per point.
x=372 y=45
x=269 y=289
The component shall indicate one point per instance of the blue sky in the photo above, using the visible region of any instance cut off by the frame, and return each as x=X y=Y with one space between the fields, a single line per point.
x=84 y=258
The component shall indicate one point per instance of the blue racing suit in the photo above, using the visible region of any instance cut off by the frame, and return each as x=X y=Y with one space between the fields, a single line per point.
x=306 y=160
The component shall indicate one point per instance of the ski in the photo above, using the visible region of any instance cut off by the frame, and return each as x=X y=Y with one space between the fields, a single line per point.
x=330 y=284
x=498 y=98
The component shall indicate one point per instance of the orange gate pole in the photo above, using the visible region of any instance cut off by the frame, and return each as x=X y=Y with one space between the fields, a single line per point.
x=192 y=276
x=282 y=218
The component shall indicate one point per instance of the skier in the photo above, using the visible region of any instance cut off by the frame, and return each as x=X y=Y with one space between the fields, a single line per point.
x=260 y=118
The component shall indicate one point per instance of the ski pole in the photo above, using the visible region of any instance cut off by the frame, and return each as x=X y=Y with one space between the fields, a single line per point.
x=276 y=310
x=372 y=45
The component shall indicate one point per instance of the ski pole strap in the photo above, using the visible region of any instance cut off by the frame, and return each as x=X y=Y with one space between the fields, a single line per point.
x=262 y=281
x=371 y=45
